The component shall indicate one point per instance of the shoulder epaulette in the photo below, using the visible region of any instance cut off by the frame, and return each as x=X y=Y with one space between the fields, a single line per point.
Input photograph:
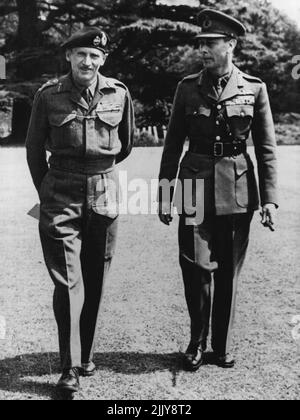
x=251 y=78
x=49 y=84
x=191 y=77
x=115 y=82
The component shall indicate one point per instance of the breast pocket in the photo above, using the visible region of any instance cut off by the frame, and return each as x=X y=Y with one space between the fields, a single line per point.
x=197 y=118
x=109 y=117
x=240 y=119
x=66 y=131
x=240 y=111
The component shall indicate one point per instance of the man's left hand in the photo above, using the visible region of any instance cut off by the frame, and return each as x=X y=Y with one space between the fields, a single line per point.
x=269 y=216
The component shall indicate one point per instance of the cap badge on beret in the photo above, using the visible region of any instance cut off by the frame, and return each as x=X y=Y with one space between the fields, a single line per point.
x=100 y=42
x=97 y=41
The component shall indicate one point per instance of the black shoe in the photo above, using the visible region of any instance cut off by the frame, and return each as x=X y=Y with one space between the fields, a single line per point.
x=87 y=370
x=69 y=381
x=194 y=357
x=225 y=362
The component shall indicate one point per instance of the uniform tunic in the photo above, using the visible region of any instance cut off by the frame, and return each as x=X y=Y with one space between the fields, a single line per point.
x=78 y=191
x=217 y=247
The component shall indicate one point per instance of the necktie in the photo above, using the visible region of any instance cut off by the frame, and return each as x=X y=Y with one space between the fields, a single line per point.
x=86 y=94
x=219 y=87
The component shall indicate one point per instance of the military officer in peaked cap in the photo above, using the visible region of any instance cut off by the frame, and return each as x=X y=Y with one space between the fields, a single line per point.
x=86 y=122
x=216 y=110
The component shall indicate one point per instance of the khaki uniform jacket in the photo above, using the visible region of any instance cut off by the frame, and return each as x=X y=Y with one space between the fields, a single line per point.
x=204 y=118
x=66 y=126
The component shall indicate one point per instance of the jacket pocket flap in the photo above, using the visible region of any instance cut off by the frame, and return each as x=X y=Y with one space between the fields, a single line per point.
x=204 y=111
x=201 y=110
x=61 y=119
x=110 y=117
x=240 y=110
x=109 y=107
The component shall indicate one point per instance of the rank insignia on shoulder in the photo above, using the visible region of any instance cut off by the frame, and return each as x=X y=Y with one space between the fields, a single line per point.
x=50 y=83
x=251 y=78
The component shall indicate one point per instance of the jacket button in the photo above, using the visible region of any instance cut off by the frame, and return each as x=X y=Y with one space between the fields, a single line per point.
x=219 y=107
x=218 y=122
x=218 y=138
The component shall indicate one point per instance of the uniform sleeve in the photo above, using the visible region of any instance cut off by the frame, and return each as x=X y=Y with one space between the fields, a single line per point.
x=175 y=139
x=264 y=139
x=126 y=129
x=35 y=141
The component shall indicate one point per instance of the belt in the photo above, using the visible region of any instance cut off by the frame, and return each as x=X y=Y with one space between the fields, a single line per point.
x=220 y=149
x=83 y=166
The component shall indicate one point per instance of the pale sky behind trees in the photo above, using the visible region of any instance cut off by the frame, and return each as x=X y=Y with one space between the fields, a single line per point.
x=290 y=7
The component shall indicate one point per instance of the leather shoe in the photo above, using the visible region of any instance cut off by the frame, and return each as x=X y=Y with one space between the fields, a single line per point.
x=225 y=362
x=69 y=380
x=87 y=370
x=194 y=357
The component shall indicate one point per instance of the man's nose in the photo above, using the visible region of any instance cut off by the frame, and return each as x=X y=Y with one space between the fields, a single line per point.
x=203 y=48
x=87 y=61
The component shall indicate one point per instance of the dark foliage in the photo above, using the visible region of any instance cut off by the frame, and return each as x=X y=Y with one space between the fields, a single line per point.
x=153 y=45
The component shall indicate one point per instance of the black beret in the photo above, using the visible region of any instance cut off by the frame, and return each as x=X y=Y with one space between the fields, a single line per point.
x=216 y=24
x=90 y=37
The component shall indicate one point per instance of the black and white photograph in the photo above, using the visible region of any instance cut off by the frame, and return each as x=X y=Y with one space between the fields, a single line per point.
x=149 y=203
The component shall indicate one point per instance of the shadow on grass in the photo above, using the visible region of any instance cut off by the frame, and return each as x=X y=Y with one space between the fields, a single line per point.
x=16 y=374
x=19 y=375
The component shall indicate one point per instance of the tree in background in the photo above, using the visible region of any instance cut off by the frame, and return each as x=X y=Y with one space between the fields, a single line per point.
x=153 y=45
x=36 y=23
x=272 y=40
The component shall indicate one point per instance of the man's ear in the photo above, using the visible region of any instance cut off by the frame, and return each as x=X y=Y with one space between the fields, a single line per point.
x=233 y=44
x=104 y=58
x=68 y=55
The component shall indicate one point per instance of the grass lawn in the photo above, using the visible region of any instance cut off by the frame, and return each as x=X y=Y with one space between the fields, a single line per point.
x=144 y=322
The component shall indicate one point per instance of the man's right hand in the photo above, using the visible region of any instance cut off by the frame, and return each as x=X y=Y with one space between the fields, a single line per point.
x=166 y=219
x=164 y=212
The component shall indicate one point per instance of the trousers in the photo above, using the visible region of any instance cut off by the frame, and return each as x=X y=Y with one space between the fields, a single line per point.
x=78 y=231
x=213 y=252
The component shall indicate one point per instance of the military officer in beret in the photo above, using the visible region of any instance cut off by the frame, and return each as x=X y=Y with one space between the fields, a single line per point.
x=217 y=110
x=86 y=122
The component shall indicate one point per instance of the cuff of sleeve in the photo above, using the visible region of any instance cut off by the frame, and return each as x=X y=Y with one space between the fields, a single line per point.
x=270 y=202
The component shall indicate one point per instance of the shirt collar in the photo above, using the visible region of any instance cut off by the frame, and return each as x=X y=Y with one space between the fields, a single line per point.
x=67 y=84
x=92 y=88
x=222 y=80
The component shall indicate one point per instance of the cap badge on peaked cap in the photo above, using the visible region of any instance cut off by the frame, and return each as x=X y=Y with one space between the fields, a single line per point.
x=207 y=23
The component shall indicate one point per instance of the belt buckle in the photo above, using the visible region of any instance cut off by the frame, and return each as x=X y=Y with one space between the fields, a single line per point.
x=218 y=149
